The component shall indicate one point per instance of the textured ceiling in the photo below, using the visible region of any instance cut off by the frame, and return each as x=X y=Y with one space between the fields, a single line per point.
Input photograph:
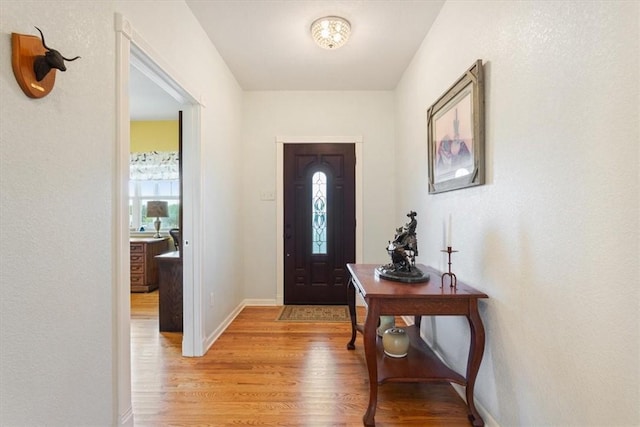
x=268 y=46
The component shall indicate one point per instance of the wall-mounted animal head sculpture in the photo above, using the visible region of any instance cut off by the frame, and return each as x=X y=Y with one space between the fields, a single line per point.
x=42 y=64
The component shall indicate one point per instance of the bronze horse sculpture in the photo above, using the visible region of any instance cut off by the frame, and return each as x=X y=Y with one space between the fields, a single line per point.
x=403 y=251
x=404 y=248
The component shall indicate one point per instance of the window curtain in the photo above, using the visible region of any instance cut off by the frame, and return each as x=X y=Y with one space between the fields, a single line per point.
x=154 y=165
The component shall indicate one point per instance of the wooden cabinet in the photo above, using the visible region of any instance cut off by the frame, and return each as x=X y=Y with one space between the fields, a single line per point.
x=144 y=270
x=170 y=300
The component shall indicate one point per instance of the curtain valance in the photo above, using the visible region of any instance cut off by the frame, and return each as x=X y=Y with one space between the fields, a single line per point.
x=154 y=165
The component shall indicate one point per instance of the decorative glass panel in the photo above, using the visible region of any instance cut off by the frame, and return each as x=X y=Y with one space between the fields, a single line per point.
x=319 y=213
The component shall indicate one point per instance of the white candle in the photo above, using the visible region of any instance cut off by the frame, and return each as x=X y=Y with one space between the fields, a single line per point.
x=449 y=232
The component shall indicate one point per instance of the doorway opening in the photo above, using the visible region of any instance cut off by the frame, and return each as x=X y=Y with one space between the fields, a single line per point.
x=190 y=119
x=130 y=49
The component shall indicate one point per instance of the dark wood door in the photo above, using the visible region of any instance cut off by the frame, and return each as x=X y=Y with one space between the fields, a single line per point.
x=319 y=222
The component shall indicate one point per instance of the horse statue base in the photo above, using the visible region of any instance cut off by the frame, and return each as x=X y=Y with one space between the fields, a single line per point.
x=413 y=275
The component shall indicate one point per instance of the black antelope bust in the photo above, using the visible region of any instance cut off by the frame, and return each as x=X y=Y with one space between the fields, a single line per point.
x=42 y=64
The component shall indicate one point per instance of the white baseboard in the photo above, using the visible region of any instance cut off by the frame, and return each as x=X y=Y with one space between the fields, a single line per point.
x=223 y=326
x=486 y=416
x=259 y=302
x=230 y=318
x=126 y=419
x=489 y=421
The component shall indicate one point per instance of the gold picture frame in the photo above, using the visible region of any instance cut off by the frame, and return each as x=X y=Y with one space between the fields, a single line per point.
x=455 y=134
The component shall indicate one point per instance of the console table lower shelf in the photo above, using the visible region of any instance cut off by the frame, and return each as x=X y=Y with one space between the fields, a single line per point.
x=421 y=363
x=384 y=297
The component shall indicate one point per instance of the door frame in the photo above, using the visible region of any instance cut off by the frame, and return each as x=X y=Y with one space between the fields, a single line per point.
x=132 y=49
x=280 y=141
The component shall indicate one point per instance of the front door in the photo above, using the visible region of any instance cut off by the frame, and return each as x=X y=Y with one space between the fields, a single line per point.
x=319 y=222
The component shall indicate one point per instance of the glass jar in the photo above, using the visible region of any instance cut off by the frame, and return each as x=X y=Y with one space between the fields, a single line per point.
x=395 y=342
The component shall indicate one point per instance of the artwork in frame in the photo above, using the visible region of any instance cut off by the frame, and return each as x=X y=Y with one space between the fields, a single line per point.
x=455 y=129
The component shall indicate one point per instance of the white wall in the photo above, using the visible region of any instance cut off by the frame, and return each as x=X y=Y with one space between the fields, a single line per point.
x=310 y=114
x=196 y=60
x=553 y=237
x=57 y=167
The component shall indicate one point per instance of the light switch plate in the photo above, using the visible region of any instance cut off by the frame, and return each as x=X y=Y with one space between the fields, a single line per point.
x=267 y=195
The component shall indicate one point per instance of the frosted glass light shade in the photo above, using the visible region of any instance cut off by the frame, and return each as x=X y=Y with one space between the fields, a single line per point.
x=330 y=32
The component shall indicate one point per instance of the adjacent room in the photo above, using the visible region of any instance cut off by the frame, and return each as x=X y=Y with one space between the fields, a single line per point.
x=320 y=213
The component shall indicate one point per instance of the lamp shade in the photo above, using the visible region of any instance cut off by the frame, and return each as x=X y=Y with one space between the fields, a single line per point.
x=157 y=209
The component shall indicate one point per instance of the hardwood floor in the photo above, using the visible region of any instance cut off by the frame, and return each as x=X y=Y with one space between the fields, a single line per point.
x=262 y=372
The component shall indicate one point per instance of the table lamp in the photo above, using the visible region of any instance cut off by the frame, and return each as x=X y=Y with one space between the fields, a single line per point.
x=157 y=209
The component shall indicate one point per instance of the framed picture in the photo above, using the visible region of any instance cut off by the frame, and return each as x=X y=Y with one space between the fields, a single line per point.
x=455 y=126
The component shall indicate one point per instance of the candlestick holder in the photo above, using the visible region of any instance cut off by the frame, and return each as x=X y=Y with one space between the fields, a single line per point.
x=454 y=280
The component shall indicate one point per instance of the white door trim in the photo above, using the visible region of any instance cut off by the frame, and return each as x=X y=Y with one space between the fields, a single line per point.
x=280 y=141
x=132 y=49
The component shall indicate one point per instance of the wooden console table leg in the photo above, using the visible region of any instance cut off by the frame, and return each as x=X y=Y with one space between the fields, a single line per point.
x=371 y=355
x=351 y=302
x=476 y=349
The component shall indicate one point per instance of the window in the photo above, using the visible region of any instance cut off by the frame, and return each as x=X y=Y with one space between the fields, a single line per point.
x=153 y=176
x=319 y=213
x=141 y=192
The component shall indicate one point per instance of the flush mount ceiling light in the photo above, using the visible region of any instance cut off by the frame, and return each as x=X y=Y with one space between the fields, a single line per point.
x=330 y=32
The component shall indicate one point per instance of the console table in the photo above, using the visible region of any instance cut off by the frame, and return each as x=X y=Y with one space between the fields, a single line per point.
x=384 y=297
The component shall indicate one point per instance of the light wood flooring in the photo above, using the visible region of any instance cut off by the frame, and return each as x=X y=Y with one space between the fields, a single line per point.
x=262 y=372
